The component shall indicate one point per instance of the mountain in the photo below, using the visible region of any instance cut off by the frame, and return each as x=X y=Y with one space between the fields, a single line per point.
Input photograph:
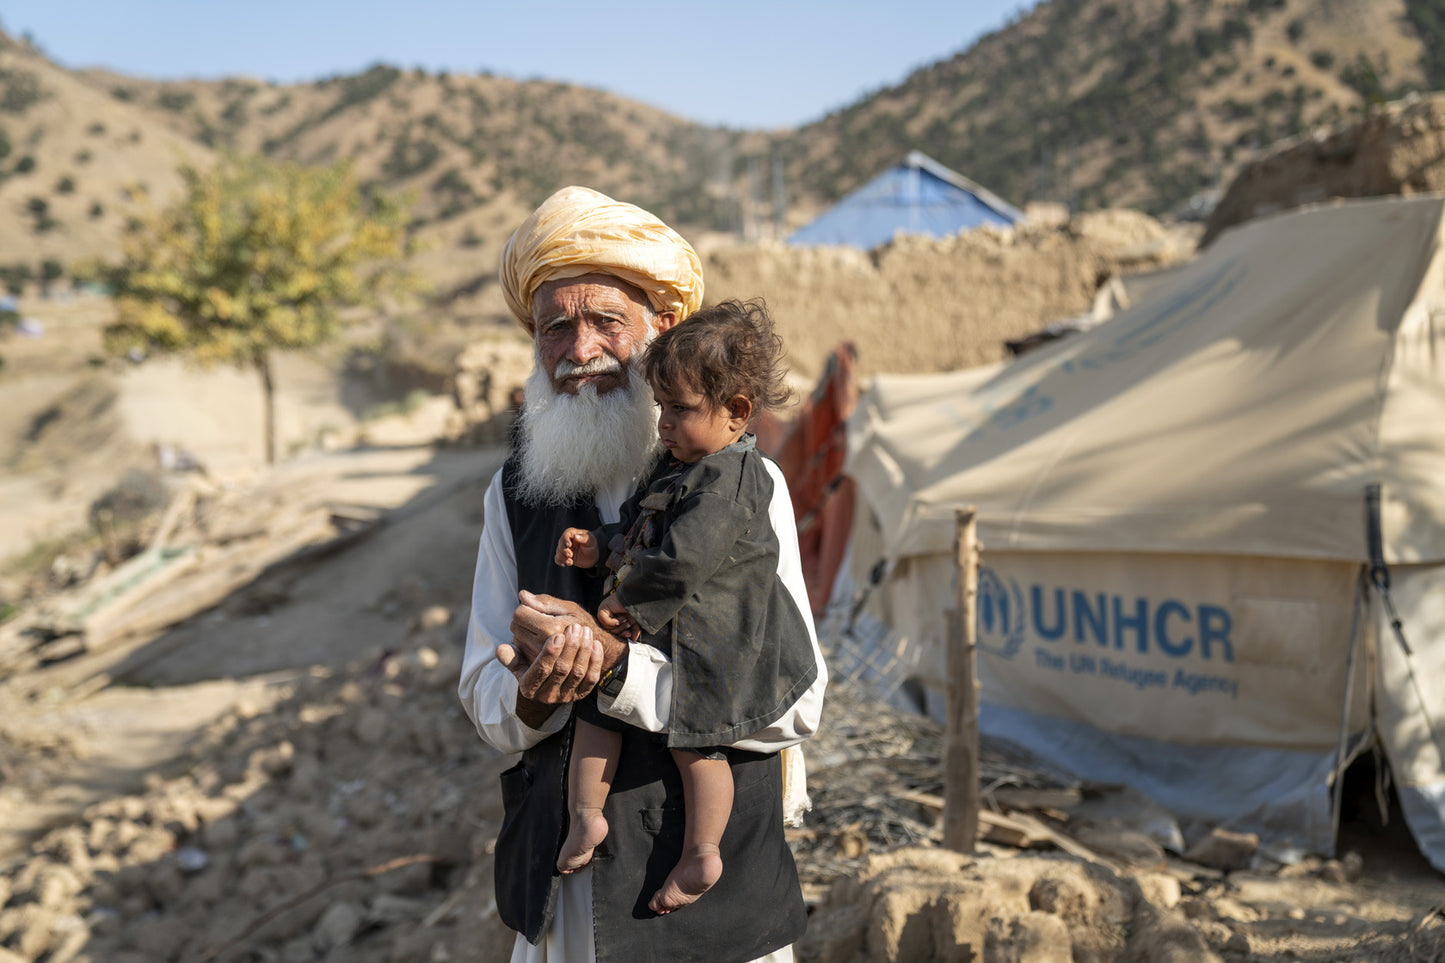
x=74 y=164
x=453 y=140
x=1095 y=103
x=1141 y=103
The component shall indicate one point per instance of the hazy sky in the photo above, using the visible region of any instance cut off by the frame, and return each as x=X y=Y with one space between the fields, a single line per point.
x=743 y=63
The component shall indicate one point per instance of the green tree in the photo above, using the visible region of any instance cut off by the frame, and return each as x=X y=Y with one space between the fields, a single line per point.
x=258 y=256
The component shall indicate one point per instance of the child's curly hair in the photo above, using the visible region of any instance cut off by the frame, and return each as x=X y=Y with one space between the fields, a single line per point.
x=720 y=352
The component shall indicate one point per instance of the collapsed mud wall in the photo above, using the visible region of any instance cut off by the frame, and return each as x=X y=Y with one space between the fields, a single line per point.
x=924 y=305
x=1398 y=149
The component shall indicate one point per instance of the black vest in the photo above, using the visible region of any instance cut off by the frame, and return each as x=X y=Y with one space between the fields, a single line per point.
x=757 y=905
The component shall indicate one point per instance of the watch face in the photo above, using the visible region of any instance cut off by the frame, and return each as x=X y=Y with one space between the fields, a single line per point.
x=612 y=685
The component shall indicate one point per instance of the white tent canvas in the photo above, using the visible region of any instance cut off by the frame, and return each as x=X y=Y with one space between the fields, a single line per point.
x=1172 y=508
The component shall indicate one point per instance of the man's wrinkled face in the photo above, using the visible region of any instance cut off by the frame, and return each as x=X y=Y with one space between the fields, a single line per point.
x=587 y=330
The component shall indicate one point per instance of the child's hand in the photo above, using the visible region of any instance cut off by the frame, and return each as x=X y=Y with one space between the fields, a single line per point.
x=614 y=618
x=577 y=547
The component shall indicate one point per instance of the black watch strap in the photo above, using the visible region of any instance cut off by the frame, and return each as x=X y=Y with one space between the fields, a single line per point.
x=611 y=683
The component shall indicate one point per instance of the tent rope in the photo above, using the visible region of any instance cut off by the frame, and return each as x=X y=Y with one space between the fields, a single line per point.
x=1379 y=577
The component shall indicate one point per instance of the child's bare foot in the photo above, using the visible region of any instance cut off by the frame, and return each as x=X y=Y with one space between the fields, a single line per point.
x=693 y=875
x=588 y=829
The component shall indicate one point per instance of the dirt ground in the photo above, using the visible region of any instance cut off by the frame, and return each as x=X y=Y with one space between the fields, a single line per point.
x=343 y=810
x=289 y=776
x=285 y=774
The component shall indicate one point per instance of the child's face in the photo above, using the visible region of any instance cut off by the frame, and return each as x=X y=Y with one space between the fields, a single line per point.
x=690 y=427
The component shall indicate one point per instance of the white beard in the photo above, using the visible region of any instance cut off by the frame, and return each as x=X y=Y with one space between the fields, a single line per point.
x=572 y=446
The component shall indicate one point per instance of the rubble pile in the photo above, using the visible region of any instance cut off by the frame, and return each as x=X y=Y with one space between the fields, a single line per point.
x=352 y=822
x=485 y=379
x=930 y=904
x=353 y=819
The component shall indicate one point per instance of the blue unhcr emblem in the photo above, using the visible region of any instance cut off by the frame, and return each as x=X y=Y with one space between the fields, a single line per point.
x=1000 y=614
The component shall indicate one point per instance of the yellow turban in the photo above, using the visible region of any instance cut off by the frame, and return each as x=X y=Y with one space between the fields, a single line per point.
x=578 y=231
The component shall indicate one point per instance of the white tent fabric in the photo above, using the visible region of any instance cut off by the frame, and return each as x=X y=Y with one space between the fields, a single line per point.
x=1172 y=510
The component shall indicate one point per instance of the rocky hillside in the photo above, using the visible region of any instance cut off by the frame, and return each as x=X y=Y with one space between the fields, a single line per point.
x=1097 y=103
x=1131 y=102
x=74 y=164
x=454 y=141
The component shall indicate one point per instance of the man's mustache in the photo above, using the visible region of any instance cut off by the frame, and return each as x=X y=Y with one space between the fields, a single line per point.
x=603 y=364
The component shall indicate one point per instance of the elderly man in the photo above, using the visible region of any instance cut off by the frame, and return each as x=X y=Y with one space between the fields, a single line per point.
x=593 y=280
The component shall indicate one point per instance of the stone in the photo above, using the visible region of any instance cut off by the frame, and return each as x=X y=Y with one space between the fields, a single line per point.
x=221 y=835
x=1126 y=845
x=1160 y=889
x=260 y=851
x=1224 y=849
x=1040 y=938
x=274 y=760
x=337 y=926
x=389 y=910
x=165 y=882
x=434 y=617
x=56 y=885
x=412 y=945
x=36 y=929
x=70 y=937
x=154 y=936
x=1166 y=937
x=1230 y=909
x=99 y=833
x=371 y=727
x=151 y=845
x=298 y=950
x=214 y=809
x=1346 y=869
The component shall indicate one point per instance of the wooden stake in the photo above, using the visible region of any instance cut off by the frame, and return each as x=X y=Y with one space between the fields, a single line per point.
x=960 y=734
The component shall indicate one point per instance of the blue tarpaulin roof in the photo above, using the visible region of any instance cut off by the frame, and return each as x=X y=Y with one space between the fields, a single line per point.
x=919 y=196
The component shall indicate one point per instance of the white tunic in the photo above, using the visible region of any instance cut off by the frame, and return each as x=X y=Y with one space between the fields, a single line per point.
x=489 y=691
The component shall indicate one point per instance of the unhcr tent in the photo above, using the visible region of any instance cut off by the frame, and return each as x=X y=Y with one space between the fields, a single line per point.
x=919 y=196
x=1176 y=510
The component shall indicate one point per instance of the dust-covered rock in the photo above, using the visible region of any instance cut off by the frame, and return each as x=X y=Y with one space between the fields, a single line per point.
x=1224 y=849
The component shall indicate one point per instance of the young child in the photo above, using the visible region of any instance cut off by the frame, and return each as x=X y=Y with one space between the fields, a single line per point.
x=694 y=564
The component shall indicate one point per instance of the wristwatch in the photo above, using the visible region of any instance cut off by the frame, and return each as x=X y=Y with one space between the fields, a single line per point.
x=610 y=684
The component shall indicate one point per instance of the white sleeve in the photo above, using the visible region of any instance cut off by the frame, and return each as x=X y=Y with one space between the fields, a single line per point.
x=488 y=690
x=645 y=700
x=801 y=721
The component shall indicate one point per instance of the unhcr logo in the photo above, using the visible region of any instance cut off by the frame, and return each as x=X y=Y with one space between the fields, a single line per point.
x=1001 y=617
x=1136 y=624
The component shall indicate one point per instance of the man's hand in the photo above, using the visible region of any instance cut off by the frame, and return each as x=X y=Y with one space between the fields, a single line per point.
x=558 y=654
x=540 y=617
x=578 y=547
x=565 y=670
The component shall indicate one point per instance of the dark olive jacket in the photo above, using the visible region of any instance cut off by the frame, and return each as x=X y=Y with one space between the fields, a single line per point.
x=701 y=580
